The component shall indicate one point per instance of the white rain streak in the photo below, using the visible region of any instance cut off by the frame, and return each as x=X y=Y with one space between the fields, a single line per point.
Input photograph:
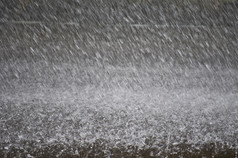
x=116 y=79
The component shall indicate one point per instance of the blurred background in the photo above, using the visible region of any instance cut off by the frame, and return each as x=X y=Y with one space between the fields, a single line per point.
x=125 y=33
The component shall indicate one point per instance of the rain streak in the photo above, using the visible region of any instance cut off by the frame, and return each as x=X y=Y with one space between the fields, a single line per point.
x=119 y=78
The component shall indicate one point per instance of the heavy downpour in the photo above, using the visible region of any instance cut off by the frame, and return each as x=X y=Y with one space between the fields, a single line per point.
x=119 y=78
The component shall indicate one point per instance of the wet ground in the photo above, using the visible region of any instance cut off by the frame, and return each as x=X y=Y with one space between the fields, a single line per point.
x=149 y=80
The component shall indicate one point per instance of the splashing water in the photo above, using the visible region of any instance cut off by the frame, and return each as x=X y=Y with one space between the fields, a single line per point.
x=118 y=79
